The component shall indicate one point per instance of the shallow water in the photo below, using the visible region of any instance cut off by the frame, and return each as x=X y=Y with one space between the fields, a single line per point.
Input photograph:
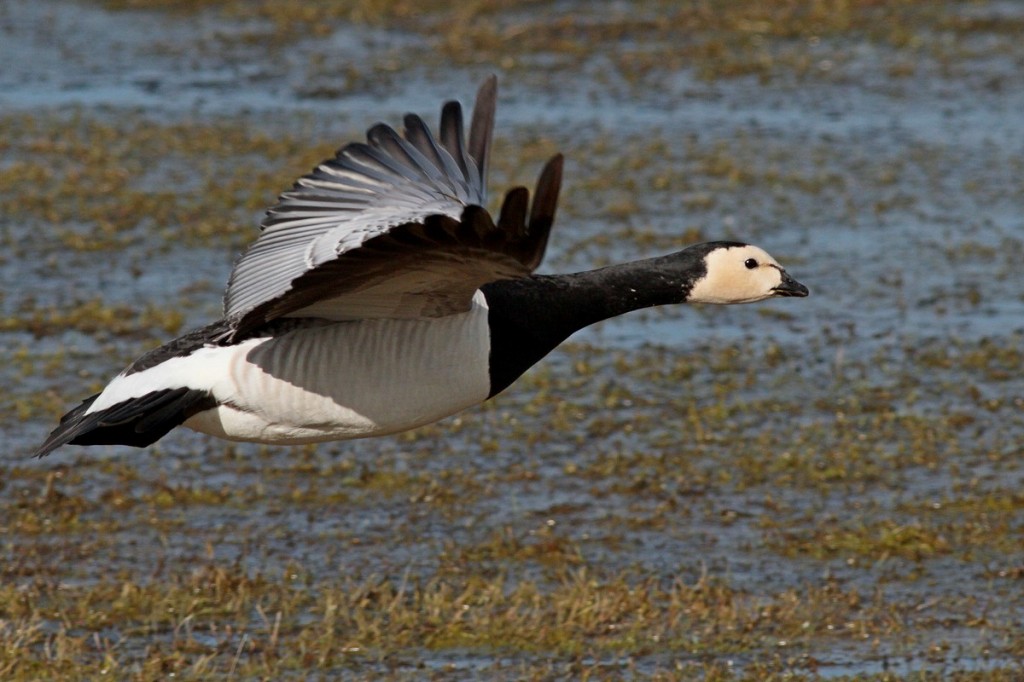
x=866 y=438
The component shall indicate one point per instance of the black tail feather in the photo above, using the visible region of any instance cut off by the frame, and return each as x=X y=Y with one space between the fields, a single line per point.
x=66 y=430
x=138 y=421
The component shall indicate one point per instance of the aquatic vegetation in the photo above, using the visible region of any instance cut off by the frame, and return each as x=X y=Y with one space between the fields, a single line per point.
x=714 y=495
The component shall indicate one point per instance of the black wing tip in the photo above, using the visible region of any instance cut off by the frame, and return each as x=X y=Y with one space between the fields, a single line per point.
x=487 y=98
x=450 y=129
x=545 y=195
x=414 y=120
x=452 y=107
x=373 y=133
x=512 y=216
x=543 y=208
x=489 y=88
x=481 y=128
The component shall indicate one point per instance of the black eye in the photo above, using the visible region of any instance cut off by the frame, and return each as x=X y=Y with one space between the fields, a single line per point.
x=750 y=263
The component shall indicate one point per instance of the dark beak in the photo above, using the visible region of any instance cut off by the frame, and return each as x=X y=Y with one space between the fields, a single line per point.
x=790 y=287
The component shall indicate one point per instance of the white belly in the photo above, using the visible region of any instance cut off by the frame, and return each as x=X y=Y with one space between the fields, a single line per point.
x=329 y=382
x=351 y=380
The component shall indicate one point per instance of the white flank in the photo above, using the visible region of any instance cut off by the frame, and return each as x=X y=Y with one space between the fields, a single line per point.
x=345 y=380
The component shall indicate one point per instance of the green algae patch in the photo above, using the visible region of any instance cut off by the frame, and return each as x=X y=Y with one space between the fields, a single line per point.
x=215 y=618
x=640 y=39
x=91 y=317
x=108 y=186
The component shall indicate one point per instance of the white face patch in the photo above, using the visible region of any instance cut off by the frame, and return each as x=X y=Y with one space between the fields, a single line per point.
x=737 y=274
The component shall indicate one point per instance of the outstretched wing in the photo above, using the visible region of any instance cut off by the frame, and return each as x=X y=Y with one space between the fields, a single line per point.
x=392 y=228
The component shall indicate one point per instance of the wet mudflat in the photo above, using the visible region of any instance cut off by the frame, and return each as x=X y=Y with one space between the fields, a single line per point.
x=820 y=488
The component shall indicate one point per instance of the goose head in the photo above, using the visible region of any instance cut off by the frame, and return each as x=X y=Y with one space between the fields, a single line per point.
x=741 y=273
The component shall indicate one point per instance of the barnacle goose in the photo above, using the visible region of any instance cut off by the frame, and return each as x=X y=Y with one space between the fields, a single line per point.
x=381 y=296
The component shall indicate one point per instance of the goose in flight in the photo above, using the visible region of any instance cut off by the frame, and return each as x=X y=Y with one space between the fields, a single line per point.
x=381 y=295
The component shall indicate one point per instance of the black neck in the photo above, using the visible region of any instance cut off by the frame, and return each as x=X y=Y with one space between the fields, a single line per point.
x=528 y=317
